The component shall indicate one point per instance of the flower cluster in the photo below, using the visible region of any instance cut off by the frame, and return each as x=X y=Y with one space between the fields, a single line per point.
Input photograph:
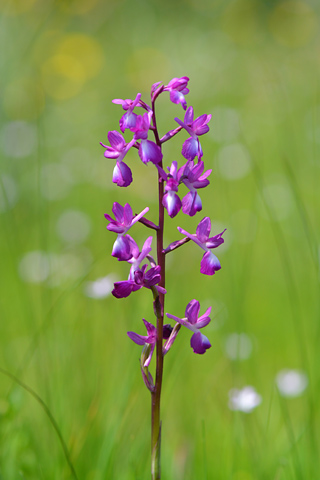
x=139 y=132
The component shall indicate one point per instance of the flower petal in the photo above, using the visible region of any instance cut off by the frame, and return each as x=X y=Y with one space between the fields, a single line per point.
x=209 y=264
x=124 y=288
x=192 y=311
x=190 y=148
x=116 y=140
x=121 y=248
x=191 y=203
x=199 y=343
x=138 y=339
x=172 y=203
x=203 y=229
x=122 y=175
x=150 y=152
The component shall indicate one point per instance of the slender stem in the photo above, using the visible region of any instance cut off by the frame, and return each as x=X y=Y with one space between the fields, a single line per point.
x=156 y=395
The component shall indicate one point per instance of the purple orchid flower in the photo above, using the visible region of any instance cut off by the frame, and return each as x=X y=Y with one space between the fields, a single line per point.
x=178 y=89
x=123 y=221
x=193 y=178
x=138 y=277
x=141 y=278
x=150 y=338
x=129 y=119
x=198 y=342
x=192 y=147
x=148 y=150
x=209 y=263
x=171 y=200
x=122 y=175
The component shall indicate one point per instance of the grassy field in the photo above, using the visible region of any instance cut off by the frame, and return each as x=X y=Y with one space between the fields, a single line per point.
x=254 y=66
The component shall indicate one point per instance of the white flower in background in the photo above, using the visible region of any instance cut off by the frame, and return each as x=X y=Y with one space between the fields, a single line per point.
x=238 y=346
x=291 y=383
x=100 y=288
x=244 y=400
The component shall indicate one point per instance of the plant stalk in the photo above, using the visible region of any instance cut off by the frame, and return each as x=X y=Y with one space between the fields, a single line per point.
x=156 y=395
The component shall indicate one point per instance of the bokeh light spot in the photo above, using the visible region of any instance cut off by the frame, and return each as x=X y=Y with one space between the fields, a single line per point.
x=238 y=346
x=63 y=76
x=55 y=181
x=18 y=139
x=34 y=267
x=293 y=23
x=291 y=383
x=8 y=193
x=224 y=126
x=241 y=21
x=85 y=50
x=234 y=161
x=73 y=226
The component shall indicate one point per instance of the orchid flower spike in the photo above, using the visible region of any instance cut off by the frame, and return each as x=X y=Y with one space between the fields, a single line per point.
x=209 y=263
x=193 y=322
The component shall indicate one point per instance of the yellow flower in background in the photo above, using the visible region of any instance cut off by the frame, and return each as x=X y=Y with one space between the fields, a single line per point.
x=76 y=59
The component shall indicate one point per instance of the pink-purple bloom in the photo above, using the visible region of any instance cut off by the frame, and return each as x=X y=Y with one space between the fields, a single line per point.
x=171 y=200
x=141 y=278
x=209 y=263
x=123 y=221
x=150 y=338
x=178 y=89
x=122 y=175
x=193 y=322
x=192 y=147
x=148 y=150
x=129 y=119
x=193 y=177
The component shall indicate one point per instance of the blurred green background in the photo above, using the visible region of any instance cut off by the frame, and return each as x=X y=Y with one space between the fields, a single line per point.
x=254 y=65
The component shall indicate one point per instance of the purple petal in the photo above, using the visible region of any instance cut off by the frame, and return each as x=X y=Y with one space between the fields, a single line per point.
x=188 y=118
x=203 y=229
x=121 y=248
x=150 y=152
x=118 y=212
x=199 y=343
x=122 y=175
x=127 y=215
x=124 y=288
x=151 y=330
x=191 y=204
x=209 y=264
x=116 y=140
x=204 y=319
x=192 y=311
x=172 y=203
x=138 y=339
x=215 y=241
x=190 y=148
x=178 y=97
x=128 y=120
x=134 y=249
